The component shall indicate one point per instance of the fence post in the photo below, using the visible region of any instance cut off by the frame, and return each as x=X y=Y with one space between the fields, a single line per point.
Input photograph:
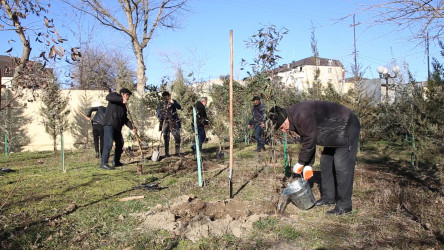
x=62 y=153
x=196 y=139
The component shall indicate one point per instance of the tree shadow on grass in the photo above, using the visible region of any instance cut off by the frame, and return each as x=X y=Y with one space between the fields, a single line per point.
x=5 y=234
x=252 y=178
x=386 y=164
x=34 y=198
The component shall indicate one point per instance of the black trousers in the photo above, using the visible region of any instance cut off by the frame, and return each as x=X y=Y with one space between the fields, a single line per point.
x=98 y=137
x=111 y=134
x=338 y=168
x=175 y=131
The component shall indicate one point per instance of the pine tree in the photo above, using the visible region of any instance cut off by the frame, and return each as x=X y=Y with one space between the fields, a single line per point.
x=54 y=111
x=12 y=123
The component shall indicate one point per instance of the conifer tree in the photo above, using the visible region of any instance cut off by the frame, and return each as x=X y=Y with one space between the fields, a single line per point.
x=54 y=111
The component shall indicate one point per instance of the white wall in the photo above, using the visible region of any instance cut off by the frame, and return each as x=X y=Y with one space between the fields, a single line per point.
x=35 y=130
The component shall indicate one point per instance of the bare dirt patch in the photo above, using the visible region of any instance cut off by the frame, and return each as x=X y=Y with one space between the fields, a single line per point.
x=187 y=165
x=193 y=218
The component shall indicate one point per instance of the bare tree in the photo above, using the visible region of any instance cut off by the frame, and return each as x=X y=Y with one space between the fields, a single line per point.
x=422 y=17
x=13 y=15
x=102 y=69
x=137 y=19
x=28 y=20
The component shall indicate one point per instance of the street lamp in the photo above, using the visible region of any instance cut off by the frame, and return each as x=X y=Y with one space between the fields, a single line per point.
x=384 y=74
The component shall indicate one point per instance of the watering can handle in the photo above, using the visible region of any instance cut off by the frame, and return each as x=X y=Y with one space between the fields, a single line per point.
x=295 y=176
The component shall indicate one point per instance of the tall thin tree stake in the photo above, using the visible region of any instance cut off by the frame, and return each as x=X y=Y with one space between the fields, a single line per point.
x=62 y=151
x=196 y=139
x=230 y=175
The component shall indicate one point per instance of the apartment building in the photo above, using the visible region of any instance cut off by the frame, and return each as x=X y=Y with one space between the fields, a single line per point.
x=301 y=74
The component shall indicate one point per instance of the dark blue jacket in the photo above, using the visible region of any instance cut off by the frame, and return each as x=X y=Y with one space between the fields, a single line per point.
x=167 y=112
x=259 y=116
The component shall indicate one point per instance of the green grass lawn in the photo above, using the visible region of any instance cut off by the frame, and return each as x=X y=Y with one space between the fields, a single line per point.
x=43 y=207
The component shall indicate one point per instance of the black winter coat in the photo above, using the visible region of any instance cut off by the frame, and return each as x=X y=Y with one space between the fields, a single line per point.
x=116 y=113
x=99 y=117
x=202 y=118
x=319 y=123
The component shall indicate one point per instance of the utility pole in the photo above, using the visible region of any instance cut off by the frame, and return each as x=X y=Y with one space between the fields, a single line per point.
x=355 y=52
x=428 y=57
x=354 y=44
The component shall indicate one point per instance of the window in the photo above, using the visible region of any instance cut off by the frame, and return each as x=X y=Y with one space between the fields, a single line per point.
x=330 y=62
x=329 y=70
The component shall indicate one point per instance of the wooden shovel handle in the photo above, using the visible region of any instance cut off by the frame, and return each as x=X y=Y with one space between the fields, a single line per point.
x=82 y=114
x=135 y=133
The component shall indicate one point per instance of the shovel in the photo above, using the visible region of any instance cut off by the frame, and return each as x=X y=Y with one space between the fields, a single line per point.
x=156 y=153
x=135 y=133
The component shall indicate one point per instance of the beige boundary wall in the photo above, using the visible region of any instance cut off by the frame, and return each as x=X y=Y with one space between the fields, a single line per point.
x=82 y=100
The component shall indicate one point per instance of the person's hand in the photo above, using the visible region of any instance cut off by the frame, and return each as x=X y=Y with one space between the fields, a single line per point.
x=297 y=168
x=125 y=97
x=88 y=118
x=135 y=130
x=262 y=124
x=171 y=101
x=249 y=126
x=308 y=172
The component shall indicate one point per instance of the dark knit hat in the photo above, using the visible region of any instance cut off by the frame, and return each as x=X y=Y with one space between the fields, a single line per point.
x=277 y=116
x=256 y=98
x=125 y=91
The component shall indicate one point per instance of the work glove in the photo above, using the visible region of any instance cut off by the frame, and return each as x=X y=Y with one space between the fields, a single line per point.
x=297 y=168
x=308 y=172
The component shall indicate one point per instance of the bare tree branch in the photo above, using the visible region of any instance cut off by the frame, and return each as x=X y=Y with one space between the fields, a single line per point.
x=422 y=17
x=138 y=26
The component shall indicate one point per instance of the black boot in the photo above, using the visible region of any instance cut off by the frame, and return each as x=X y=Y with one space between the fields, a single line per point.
x=323 y=202
x=106 y=166
x=339 y=211
x=118 y=164
x=177 y=151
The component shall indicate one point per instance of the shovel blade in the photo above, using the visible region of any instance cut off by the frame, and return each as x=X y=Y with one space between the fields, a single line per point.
x=155 y=156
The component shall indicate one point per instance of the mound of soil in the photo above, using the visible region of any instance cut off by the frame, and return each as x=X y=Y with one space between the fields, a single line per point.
x=193 y=218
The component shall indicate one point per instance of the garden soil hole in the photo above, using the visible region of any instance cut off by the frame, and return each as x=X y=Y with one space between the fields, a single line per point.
x=193 y=218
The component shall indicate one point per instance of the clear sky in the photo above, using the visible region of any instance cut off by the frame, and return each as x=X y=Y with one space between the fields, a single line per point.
x=202 y=46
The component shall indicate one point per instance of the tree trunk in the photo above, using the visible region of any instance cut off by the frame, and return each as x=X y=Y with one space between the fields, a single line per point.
x=25 y=42
x=141 y=69
x=54 y=138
